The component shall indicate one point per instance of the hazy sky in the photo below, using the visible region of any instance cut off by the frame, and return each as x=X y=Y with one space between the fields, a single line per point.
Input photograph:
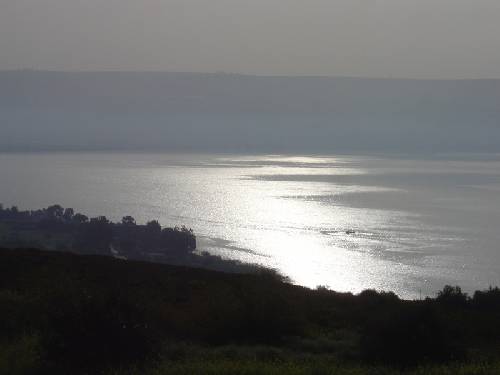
x=381 y=38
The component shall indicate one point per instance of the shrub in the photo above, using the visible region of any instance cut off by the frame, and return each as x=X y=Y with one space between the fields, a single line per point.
x=409 y=335
x=452 y=295
x=21 y=356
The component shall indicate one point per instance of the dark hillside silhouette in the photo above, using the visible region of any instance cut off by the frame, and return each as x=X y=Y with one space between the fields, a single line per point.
x=63 y=313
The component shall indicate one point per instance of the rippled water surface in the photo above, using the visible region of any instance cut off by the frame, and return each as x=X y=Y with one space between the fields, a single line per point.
x=346 y=222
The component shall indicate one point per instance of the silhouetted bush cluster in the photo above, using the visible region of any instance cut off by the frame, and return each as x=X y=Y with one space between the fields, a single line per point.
x=452 y=295
x=76 y=232
x=409 y=335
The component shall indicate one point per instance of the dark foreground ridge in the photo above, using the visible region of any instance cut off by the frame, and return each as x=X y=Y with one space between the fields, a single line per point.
x=87 y=314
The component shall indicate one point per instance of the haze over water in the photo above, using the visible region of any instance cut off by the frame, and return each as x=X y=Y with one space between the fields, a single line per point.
x=346 y=222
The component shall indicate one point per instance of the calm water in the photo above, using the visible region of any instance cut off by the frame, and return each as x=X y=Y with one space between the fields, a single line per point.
x=418 y=224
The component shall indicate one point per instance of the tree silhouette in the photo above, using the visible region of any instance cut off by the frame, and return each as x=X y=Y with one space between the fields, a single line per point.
x=68 y=214
x=128 y=220
x=452 y=295
x=80 y=219
x=55 y=212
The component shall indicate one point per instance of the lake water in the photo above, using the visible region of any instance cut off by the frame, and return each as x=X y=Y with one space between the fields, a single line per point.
x=346 y=222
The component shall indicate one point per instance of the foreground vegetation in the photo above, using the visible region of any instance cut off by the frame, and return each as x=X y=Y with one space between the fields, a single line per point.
x=64 y=313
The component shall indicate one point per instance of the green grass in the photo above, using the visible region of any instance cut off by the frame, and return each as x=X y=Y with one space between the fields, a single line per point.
x=319 y=365
x=20 y=356
x=189 y=359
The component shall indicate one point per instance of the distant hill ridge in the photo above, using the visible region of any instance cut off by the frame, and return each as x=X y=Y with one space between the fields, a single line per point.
x=211 y=112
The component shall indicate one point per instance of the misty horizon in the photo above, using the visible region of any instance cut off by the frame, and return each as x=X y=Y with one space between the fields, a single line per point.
x=388 y=39
x=235 y=73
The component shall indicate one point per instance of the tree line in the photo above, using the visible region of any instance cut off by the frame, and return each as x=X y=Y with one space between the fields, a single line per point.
x=77 y=232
